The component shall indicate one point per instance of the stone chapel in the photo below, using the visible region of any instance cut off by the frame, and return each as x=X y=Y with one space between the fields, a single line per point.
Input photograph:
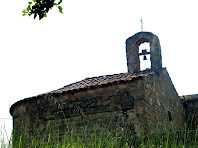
x=146 y=96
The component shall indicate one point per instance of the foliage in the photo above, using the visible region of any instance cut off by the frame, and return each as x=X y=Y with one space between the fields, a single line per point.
x=41 y=8
x=98 y=138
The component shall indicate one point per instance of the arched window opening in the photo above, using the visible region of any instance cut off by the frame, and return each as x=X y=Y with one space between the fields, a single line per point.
x=145 y=62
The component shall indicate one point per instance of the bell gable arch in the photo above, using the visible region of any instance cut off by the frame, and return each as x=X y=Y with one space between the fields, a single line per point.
x=132 y=51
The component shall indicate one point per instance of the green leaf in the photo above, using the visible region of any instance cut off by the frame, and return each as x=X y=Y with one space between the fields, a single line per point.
x=34 y=1
x=28 y=8
x=24 y=14
x=30 y=3
x=24 y=11
x=59 y=2
x=60 y=9
x=45 y=15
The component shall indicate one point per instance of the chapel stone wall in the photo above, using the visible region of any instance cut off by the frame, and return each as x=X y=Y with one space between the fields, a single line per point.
x=163 y=106
x=190 y=103
x=83 y=108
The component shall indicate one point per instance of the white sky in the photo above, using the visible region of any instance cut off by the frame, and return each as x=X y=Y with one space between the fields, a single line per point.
x=89 y=40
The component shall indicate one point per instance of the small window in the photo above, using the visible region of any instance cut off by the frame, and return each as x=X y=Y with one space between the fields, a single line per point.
x=170 y=115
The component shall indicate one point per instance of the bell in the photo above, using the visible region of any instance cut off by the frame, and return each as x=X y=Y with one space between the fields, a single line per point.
x=144 y=58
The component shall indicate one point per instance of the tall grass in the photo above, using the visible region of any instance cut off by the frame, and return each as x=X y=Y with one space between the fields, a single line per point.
x=107 y=134
x=120 y=137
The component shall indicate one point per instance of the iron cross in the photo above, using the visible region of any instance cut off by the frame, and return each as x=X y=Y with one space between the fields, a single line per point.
x=141 y=24
x=144 y=53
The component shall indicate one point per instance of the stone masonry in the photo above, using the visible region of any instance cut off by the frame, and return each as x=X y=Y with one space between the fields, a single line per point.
x=190 y=103
x=132 y=51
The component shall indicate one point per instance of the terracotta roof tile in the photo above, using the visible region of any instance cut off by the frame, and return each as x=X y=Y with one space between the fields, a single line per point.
x=101 y=80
